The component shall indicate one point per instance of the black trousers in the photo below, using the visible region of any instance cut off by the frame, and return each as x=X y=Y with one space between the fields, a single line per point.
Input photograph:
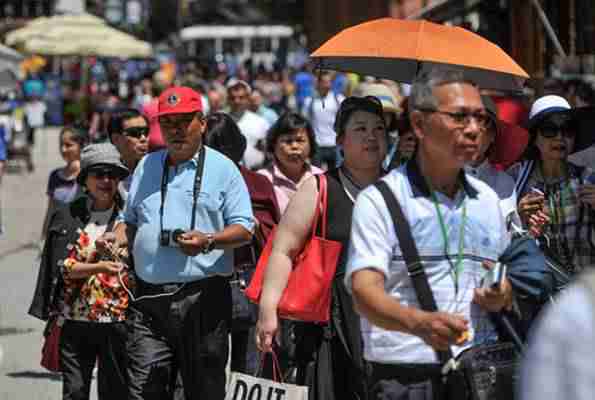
x=83 y=343
x=186 y=332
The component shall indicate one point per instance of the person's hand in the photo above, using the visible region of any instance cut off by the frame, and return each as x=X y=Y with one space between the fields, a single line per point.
x=192 y=243
x=530 y=204
x=267 y=330
x=586 y=194
x=107 y=244
x=537 y=223
x=494 y=298
x=441 y=330
x=109 y=267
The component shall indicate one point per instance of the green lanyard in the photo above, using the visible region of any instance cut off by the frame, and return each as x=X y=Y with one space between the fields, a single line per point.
x=456 y=268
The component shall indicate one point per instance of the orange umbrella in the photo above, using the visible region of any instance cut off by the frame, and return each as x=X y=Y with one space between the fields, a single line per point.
x=399 y=49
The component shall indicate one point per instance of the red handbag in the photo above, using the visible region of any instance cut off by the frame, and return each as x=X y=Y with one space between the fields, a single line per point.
x=307 y=296
x=50 y=353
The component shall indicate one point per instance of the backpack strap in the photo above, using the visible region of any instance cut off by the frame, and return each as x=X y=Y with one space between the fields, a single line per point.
x=415 y=268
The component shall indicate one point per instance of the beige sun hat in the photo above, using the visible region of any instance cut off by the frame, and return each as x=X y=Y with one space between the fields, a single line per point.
x=390 y=101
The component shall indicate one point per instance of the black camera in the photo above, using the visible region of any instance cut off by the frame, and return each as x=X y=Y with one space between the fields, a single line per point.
x=169 y=238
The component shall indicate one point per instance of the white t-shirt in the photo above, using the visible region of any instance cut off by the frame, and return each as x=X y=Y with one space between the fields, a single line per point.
x=35 y=112
x=322 y=115
x=374 y=244
x=254 y=128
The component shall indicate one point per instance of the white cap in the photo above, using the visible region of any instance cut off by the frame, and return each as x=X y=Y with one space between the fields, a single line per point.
x=546 y=105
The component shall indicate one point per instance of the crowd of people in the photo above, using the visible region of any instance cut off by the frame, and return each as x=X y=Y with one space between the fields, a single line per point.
x=156 y=221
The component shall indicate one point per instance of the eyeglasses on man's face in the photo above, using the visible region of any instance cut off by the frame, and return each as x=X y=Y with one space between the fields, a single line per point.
x=182 y=121
x=463 y=118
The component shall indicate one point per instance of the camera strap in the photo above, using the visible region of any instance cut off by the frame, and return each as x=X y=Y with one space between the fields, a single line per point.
x=195 y=190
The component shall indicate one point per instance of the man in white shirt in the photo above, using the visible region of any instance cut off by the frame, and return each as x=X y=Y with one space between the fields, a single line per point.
x=321 y=111
x=458 y=229
x=35 y=110
x=252 y=125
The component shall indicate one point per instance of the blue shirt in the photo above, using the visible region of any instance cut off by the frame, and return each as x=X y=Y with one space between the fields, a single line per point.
x=223 y=200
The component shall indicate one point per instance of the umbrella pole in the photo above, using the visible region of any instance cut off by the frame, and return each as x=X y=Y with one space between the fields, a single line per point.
x=548 y=28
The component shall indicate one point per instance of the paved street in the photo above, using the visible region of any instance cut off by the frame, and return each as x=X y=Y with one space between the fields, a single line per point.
x=24 y=202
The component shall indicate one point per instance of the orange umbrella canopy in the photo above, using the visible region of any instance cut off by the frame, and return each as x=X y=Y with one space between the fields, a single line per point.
x=399 y=49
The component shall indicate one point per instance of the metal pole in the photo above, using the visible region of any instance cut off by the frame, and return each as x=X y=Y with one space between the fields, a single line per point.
x=548 y=28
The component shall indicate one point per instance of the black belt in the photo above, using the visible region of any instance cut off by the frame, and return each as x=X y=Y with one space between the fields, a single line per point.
x=149 y=289
x=406 y=373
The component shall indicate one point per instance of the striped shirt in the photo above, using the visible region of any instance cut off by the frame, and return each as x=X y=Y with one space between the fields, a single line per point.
x=374 y=245
x=570 y=236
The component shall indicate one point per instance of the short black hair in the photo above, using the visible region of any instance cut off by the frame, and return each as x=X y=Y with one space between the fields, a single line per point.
x=224 y=135
x=116 y=121
x=290 y=122
x=352 y=104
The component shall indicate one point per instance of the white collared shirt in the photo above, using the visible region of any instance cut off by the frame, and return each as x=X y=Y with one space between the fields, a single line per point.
x=374 y=244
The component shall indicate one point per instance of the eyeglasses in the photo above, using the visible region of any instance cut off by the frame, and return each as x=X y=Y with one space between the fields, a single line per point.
x=181 y=122
x=104 y=173
x=463 y=118
x=136 y=131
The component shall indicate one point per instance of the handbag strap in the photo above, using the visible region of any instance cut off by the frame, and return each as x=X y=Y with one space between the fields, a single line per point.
x=415 y=268
x=321 y=203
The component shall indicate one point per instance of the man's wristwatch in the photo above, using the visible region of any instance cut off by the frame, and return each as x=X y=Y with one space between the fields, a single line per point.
x=210 y=245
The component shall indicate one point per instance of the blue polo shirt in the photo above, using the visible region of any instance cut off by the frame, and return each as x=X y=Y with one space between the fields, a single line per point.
x=223 y=200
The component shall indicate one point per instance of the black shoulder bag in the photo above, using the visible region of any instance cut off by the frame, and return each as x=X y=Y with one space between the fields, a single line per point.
x=484 y=372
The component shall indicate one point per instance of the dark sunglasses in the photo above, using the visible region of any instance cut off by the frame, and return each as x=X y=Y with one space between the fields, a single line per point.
x=102 y=173
x=550 y=131
x=136 y=131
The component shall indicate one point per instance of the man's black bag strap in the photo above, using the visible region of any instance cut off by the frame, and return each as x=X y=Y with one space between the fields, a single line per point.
x=415 y=268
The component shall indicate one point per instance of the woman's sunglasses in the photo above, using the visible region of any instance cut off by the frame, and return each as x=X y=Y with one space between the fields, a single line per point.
x=102 y=173
x=550 y=131
x=136 y=131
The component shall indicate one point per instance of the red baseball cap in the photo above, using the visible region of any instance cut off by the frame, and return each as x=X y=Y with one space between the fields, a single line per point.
x=179 y=100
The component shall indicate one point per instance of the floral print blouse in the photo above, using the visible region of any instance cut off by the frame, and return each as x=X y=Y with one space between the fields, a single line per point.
x=97 y=298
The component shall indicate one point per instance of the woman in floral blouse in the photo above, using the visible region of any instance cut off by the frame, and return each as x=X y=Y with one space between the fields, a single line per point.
x=90 y=300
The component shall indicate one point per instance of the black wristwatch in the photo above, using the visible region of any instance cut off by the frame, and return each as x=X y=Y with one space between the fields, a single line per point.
x=210 y=245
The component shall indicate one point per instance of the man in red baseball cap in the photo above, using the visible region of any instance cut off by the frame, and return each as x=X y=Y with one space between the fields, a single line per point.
x=187 y=209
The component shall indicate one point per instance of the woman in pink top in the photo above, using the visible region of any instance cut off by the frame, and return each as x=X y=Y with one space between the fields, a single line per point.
x=292 y=144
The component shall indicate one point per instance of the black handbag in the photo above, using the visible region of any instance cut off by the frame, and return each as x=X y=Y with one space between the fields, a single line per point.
x=484 y=372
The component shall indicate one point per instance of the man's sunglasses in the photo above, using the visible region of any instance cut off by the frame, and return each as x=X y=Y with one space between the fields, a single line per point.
x=136 y=131
x=102 y=173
